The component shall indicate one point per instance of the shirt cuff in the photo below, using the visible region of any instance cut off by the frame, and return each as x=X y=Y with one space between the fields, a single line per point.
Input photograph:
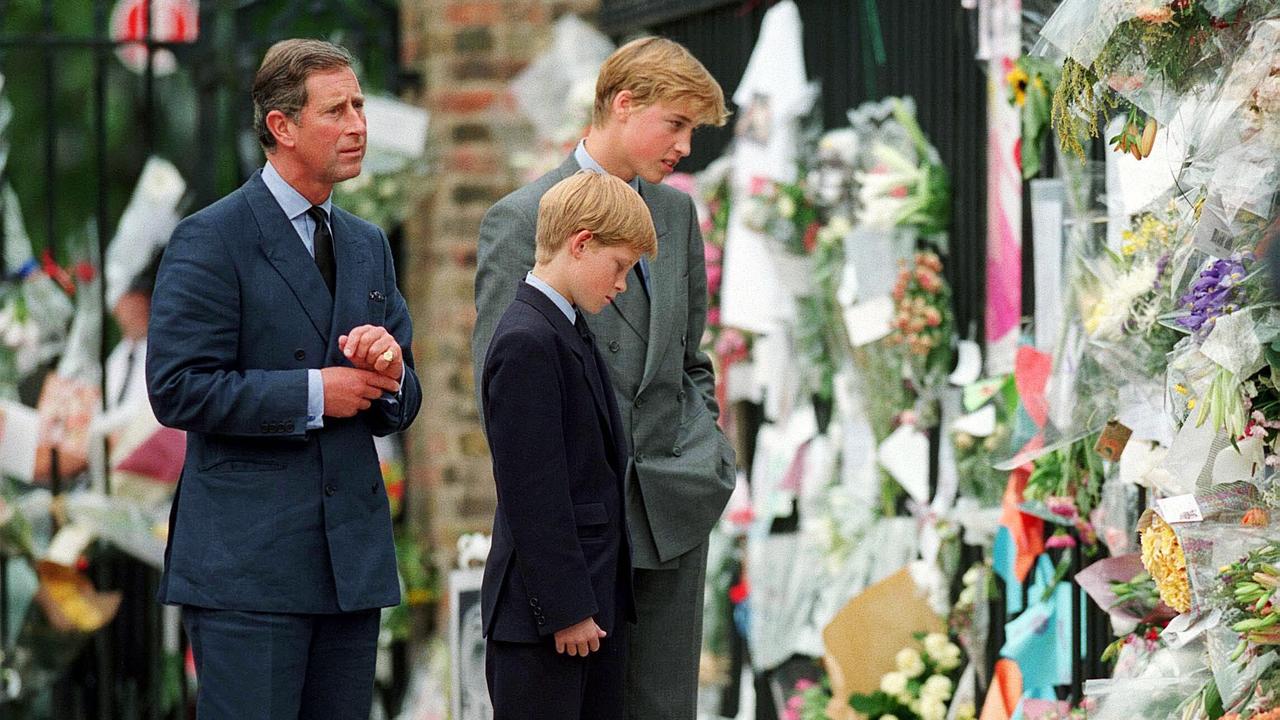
x=395 y=396
x=315 y=399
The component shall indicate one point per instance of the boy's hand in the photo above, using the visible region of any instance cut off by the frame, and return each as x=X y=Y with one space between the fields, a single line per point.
x=579 y=639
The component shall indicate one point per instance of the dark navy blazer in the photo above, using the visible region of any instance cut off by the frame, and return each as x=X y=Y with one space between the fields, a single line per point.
x=269 y=517
x=560 y=551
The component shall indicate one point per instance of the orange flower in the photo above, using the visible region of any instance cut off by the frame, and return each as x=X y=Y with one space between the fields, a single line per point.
x=1256 y=517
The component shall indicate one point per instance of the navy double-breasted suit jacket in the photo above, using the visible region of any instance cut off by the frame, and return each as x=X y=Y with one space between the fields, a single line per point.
x=560 y=551
x=269 y=517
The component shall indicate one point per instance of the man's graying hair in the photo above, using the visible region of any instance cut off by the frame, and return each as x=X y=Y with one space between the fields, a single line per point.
x=281 y=81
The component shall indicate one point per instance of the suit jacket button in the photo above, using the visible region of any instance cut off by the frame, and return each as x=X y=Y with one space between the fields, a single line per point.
x=541 y=621
x=266 y=427
x=329 y=489
x=299 y=354
x=677 y=450
x=639 y=401
x=288 y=427
x=680 y=396
x=639 y=458
x=533 y=602
x=614 y=346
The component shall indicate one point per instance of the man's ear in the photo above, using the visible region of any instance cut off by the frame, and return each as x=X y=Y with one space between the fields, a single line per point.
x=623 y=103
x=578 y=243
x=279 y=125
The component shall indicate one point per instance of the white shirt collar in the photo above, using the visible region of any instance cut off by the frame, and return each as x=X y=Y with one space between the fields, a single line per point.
x=289 y=199
x=565 y=306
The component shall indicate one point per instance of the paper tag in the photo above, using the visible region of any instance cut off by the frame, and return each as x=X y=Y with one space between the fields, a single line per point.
x=1111 y=442
x=869 y=321
x=67 y=546
x=969 y=367
x=1179 y=509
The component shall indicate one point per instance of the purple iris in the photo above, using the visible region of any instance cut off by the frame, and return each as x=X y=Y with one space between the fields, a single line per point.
x=1161 y=265
x=1215 y=293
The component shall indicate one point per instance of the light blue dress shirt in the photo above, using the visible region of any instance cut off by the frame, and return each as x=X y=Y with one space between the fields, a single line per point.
x=565 y=306
x=586 y=162
x=295 y=208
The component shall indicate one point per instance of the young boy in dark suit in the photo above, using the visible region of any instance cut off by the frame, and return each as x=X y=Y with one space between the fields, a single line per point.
x=557 y=586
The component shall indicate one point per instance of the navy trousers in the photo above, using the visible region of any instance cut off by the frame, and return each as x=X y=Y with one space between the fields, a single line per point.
x=275 y=666
x=534 y=682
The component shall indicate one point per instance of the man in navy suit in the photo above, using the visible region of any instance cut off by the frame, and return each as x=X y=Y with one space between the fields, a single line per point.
x=279 y=342
x=557 y=586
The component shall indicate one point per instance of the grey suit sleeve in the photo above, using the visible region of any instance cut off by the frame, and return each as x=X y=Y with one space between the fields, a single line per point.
x=697 y=363
x=503 y=256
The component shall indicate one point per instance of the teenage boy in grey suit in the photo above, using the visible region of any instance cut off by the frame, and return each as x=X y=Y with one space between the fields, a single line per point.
x=650 y=95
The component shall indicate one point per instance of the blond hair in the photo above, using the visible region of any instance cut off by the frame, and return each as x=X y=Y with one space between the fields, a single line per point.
x=599 y=202
x=657 y=70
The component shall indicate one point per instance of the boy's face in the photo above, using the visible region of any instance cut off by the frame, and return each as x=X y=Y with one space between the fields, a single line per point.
x=657 y=137
x=599 y=273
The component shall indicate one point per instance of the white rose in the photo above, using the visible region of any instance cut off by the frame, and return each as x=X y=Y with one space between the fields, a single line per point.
x=909 y=662
x=786 y=207
x=888 y=717
x=932 y=709
x=971 y=575
x=950 y=658
x=935 y=644
x=893 y=683
x=937 y=687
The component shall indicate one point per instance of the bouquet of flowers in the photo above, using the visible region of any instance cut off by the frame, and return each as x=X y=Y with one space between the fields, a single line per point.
x=1031 y=82
x=919 y=688
x=786 y=213
x=904 y=186
x=1151 y=53
x=976 y=456
x=808 y=701
x=922 y=321
x=1064 y=487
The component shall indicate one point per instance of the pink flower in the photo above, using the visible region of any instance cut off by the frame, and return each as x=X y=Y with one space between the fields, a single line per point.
x=804 y=684
x=1061 y=506
x=713 y=278
x=1060 y=541
x=712 y=253
x=742 y=516
x=684 y=182
x=713 y=316
x=758 y=185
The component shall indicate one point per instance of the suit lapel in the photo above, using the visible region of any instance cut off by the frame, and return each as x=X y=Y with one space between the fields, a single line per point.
x=662 y=287
x=569 y=334
x=351 y=256
x=285 y=251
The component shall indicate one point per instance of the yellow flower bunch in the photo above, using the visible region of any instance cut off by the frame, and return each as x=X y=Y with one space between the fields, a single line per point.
x=1148 y=231
x=1163 y=558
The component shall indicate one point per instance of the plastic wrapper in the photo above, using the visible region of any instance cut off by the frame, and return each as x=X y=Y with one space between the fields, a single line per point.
x=562 y=78
x=1155 y=695
x=145 y=226
x=1081 y=28
x=1218 y=589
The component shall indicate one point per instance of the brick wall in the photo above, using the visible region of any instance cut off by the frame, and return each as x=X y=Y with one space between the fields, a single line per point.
x=467 y=52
